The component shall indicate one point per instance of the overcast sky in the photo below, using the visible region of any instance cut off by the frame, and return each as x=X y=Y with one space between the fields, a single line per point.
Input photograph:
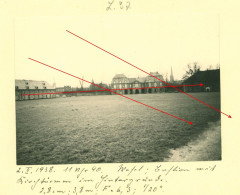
x=151 y=42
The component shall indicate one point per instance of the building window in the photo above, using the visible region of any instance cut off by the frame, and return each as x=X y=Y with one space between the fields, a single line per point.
x=16 y=87
x=36 y=87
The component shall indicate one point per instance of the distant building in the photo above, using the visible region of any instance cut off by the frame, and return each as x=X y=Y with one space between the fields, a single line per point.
x=209 y=78
x=94 y=87
x=59 y=91
x=33 y=87
x=120 y=81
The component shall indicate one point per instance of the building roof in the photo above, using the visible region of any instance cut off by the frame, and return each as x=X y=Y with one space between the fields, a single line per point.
x=118 y=76
x=156 y=74
x=31 y=84
x=141 y=79
x=152 y=79
x=131 y=80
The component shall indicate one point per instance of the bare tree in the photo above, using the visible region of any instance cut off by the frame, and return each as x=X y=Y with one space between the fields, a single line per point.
x=191 y=69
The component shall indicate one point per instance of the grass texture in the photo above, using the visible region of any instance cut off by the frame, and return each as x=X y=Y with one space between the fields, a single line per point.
x=109 y=128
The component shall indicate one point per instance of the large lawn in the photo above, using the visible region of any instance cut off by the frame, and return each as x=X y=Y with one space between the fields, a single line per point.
x=106 y=129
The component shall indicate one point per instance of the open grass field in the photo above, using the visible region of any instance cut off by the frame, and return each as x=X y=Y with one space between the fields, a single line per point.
x=110 y=129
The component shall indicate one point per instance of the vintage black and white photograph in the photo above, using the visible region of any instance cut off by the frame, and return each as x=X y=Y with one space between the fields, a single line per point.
x=118 y=89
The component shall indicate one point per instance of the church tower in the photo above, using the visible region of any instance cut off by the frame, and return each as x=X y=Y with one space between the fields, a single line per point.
x=171 y=76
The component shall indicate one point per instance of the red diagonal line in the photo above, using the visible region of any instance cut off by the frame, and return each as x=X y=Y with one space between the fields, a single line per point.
x=105 y=90
x=146 y=72
x=112 y=91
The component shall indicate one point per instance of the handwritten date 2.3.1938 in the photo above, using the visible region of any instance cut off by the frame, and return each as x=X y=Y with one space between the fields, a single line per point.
x=113 y=5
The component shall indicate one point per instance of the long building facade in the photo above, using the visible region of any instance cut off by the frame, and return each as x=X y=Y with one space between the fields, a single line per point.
x=120 y=81
x=33 y=87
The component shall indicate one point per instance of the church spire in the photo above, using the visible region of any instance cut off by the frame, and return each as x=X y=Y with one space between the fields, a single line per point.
x=171 y=76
